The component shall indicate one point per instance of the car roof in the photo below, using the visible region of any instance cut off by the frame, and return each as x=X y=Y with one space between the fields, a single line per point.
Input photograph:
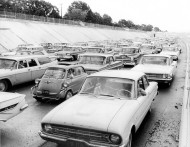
x=64 y=66
x=127 y=74
x=21 y=57
x=157 y=55
x=96 y=54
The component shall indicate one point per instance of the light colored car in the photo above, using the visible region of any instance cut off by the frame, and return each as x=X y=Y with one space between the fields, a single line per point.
x=11 y=104
x=59 y=82
x=106 y=112
x=20 y=69
x=160 y=68
x=172 y=51
x=149 y=49
x=94 y=62
x=69 y=55
x=129 y=55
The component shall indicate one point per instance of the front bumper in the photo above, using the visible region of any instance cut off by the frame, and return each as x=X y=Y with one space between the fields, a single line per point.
x=50 y=96
x=81 y=143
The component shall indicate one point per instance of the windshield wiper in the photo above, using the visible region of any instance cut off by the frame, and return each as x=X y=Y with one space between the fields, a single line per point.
x=107 y=95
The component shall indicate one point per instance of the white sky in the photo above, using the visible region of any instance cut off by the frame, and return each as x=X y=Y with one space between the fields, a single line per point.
x=171 y=15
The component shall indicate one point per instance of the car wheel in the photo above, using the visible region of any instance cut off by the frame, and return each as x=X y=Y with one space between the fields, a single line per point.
x=3 y=85
x=39 y=99
x=68 y=95
x=129 y=144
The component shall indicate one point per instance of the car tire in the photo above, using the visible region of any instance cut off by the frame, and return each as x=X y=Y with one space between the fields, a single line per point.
x=129 y=144
x=3 y=85
x=39 y=99
x=68 y=95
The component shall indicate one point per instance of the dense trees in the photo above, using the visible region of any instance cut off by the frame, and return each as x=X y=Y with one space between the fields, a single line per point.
x=32 y=7
x=78 y=11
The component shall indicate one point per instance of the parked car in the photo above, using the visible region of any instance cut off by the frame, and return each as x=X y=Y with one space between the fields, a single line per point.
x=94 y=49
x=11 y=104
x=149 y=49
x=59 y=82
x=20 y=69
x=27 y=50
x=129 y=55
x=106 y=112
x=94 y=62
x=172 y=51
x=160 y=68
x=69 y=55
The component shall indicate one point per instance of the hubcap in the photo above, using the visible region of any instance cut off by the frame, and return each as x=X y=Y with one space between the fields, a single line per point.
x=2 y=87
x=69 y=94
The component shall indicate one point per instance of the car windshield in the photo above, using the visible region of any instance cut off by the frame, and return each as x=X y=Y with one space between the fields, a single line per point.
x=93 y=50
x=57 y=73
x=106 y=86
x=128 y=50
x=99 y=60
x=155 y=60
x=7 y=64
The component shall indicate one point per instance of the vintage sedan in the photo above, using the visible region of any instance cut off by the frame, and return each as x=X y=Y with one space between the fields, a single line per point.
x=11 y=104
x=172 y=51
x=160 y=68
x=89 y=49
x=129 y=55
x=106 y=112
x=59 y=82
x=20 y=69
x=93 y=62
x=149 y=49
x=69 y=55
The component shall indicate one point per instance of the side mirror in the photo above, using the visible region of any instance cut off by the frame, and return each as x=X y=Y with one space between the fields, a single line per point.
x=142 y=92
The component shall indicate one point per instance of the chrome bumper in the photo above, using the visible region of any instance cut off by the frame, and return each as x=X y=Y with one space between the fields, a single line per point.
x=55 y=138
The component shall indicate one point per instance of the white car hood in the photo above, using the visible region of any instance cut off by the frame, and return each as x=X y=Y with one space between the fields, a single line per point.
x=93 y=67
x=4 y=72
x=86 y=111
x=152 y=68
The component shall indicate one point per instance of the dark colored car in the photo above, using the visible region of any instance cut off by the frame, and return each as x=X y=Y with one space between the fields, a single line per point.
x=59 y=82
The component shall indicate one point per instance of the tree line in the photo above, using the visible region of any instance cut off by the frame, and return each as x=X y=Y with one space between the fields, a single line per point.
x=77 y=11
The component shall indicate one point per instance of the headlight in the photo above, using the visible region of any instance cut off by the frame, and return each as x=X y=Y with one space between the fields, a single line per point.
x=37 y=81
x=47 y=128
x=115 y=139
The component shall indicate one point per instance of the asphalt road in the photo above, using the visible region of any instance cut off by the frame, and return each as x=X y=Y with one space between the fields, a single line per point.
x=159 y=129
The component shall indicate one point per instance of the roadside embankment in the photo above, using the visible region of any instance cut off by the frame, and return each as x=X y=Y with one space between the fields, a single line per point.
x=17 y=31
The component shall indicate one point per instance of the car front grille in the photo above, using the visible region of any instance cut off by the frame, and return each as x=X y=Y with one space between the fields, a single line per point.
x=87 y=135
x=157 y=76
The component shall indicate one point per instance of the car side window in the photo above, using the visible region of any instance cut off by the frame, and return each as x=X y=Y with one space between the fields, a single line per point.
x=44 y=60
x=70 y=73
x=111 y=59
x=38 y=53
x=22 y=64
x=140 y=84
x=108 y=60
x=32 y=63
x=145 y=81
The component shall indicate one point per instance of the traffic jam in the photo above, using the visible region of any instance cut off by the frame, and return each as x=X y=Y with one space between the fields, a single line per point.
x=101 y=91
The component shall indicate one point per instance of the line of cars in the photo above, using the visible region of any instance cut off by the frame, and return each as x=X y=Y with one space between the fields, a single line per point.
x=110 y=104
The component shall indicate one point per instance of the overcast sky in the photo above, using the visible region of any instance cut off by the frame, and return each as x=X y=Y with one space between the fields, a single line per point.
x=171 y=15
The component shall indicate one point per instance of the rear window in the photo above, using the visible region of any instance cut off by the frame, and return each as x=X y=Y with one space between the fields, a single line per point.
x=44 y=60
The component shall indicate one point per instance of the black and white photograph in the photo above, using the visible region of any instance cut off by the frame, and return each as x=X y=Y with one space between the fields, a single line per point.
x=94 y=73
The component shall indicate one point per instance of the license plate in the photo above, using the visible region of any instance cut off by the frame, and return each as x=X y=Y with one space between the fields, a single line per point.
x=45 y=92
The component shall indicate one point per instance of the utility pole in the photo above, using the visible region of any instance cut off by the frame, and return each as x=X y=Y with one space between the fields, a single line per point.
x=61 y=11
